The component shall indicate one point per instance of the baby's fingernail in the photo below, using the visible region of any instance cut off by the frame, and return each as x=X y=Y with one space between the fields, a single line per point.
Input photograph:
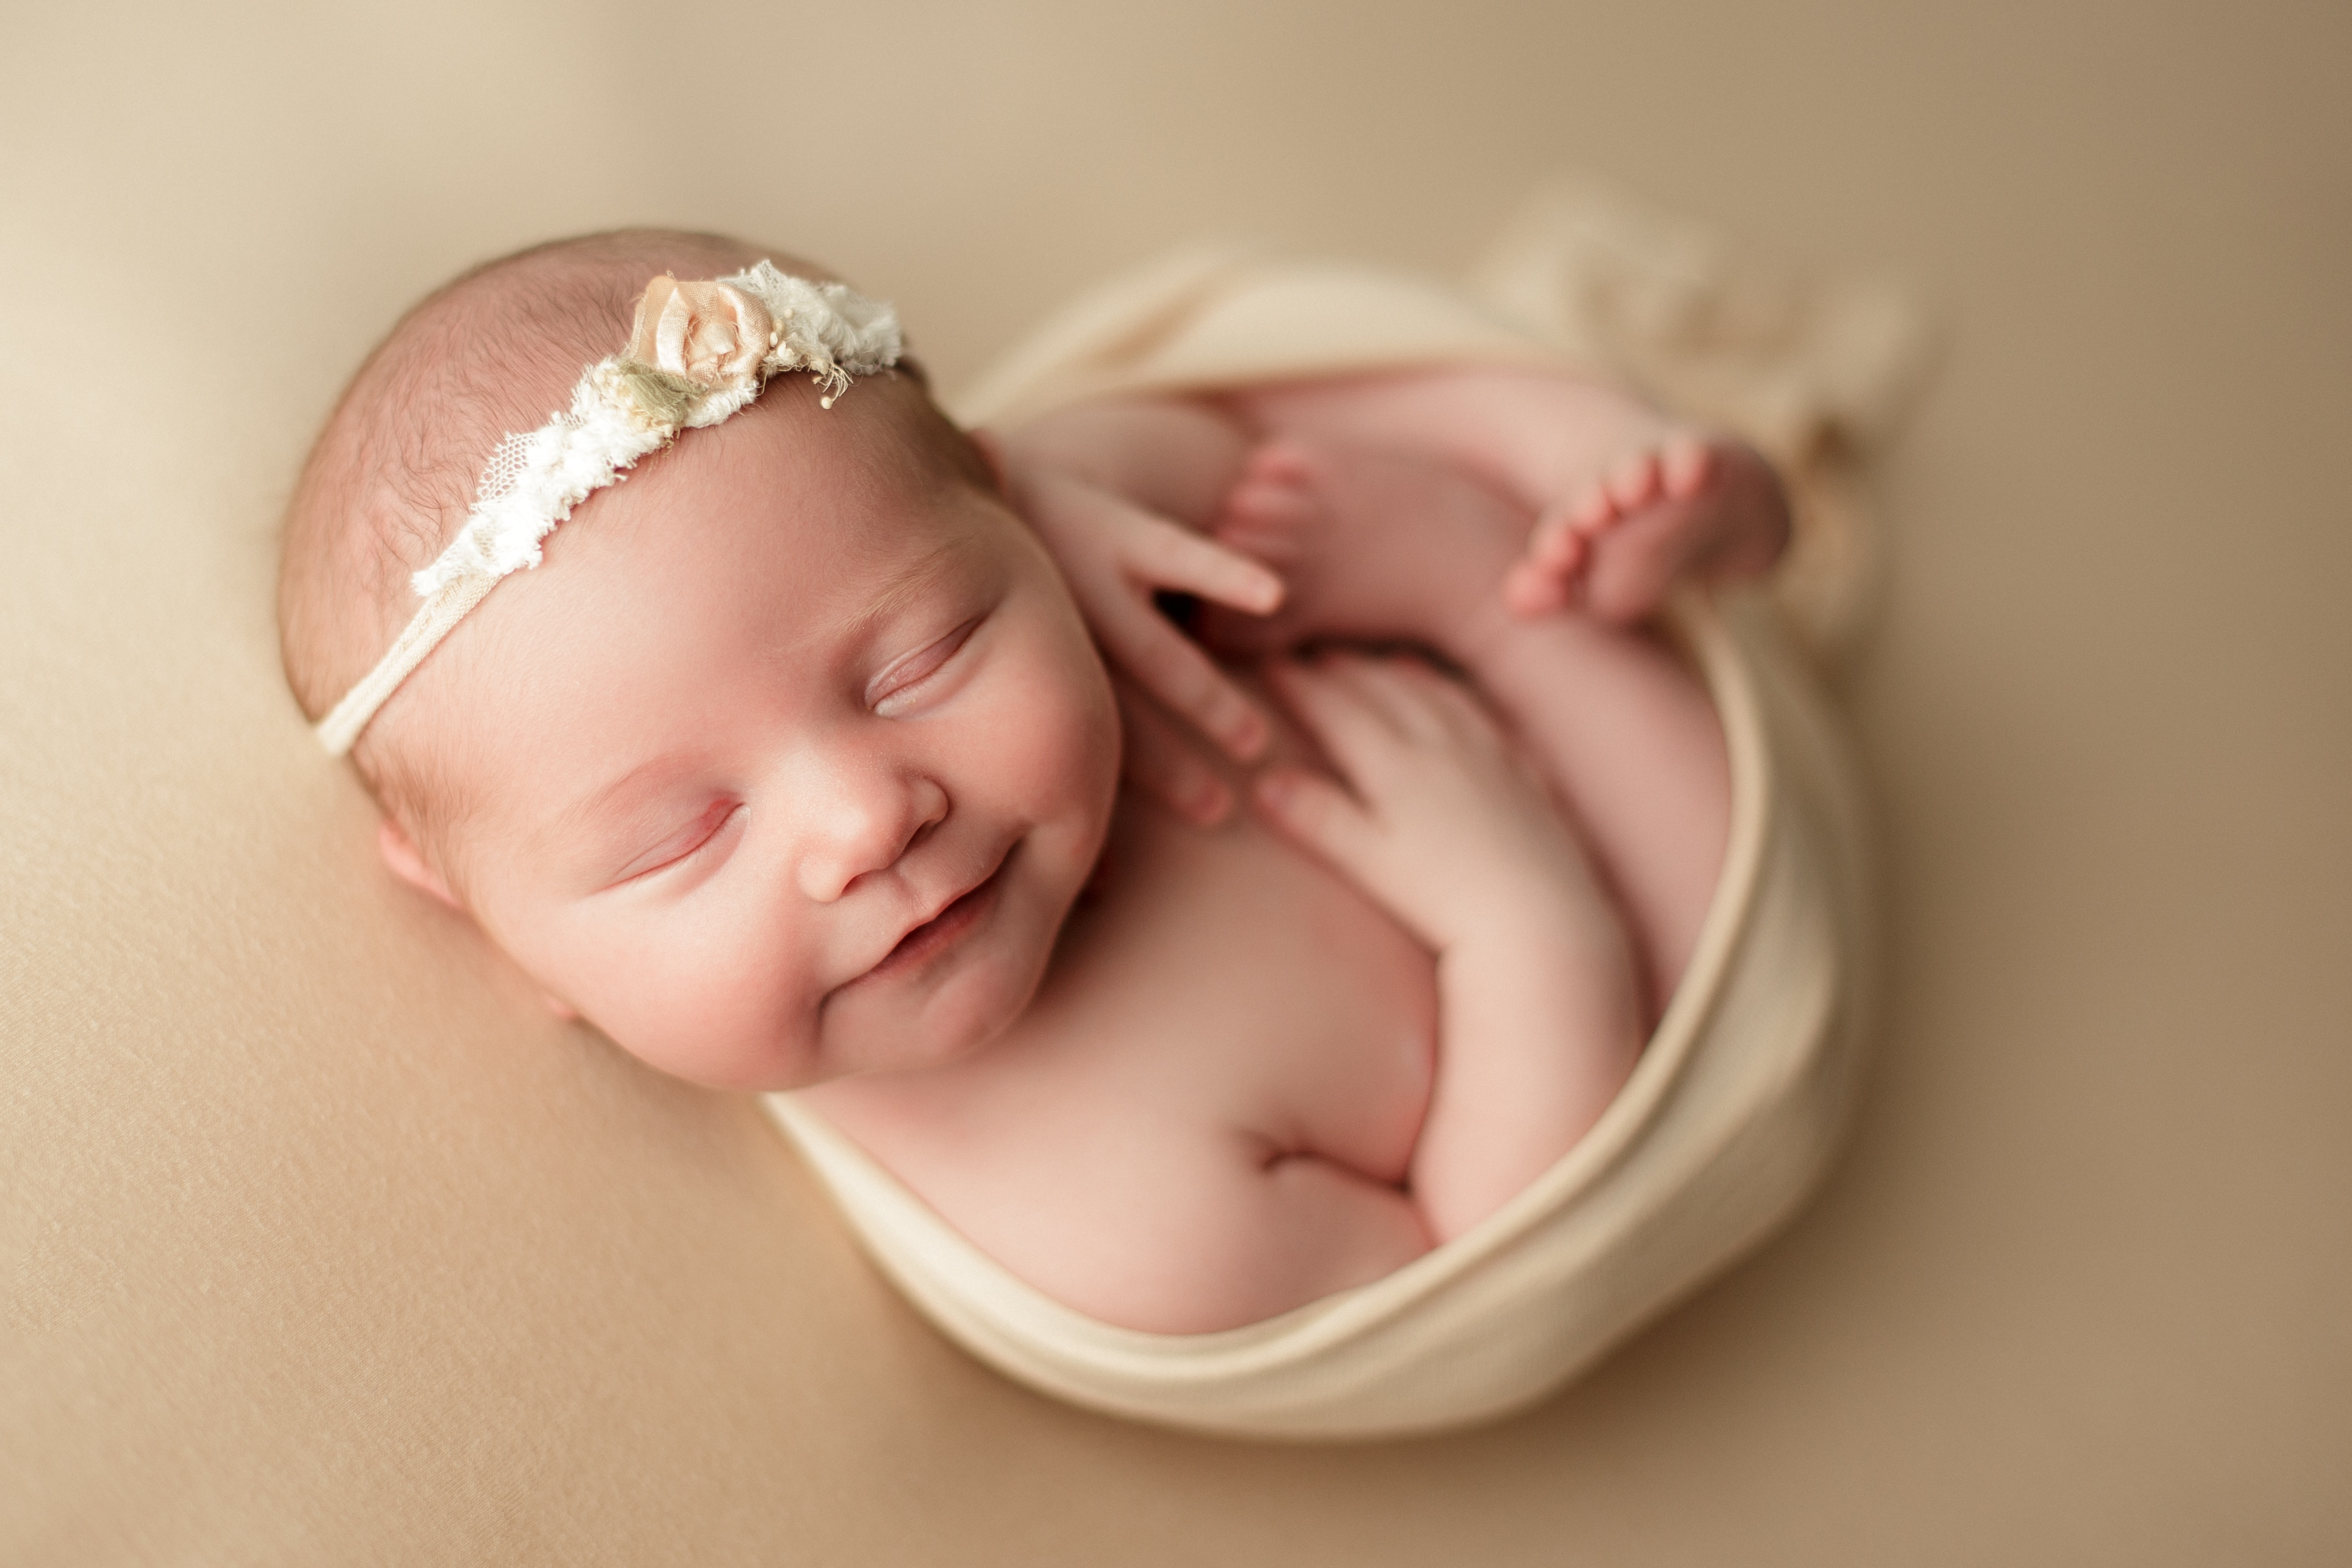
x=1209 y=802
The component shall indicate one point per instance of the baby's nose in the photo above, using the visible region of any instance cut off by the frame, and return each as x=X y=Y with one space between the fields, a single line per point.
x=864 y=823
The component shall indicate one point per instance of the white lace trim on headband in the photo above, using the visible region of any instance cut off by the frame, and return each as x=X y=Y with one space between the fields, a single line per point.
x=698 y=354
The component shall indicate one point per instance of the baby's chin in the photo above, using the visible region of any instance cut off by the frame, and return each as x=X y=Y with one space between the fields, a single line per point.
x=980 y=995
x=965 y=1014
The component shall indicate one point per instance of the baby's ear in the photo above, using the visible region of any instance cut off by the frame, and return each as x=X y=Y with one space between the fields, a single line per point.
x=400 y=853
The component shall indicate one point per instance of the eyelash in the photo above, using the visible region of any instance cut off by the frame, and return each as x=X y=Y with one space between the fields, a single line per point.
x=691 y=850
x=951 y=644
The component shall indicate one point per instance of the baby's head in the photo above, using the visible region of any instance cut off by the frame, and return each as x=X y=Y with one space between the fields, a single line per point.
x=790 y=759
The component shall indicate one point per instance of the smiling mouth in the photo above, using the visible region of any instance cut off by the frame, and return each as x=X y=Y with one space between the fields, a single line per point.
x=941 y=931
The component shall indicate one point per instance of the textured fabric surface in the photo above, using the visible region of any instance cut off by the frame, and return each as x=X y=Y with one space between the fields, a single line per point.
x=320 y=1243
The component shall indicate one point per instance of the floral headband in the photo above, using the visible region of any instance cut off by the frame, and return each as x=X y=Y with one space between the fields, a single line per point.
x=698 y=354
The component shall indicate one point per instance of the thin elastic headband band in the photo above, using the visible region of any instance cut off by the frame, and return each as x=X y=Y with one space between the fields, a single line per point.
x=698 y=354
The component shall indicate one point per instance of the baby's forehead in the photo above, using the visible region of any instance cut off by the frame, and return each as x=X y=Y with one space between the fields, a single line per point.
x=863 y=482
x=787 y=538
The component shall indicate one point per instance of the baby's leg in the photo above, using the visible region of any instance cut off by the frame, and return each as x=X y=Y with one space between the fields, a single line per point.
x=1626 y=500
x=1629 y=738
x=1376 y=547
x=1372 y=548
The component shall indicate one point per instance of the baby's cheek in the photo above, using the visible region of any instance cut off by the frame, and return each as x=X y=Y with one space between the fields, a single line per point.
x=1069 y=777
x=1052 y=726
x=1070 y=736
x=697 y=999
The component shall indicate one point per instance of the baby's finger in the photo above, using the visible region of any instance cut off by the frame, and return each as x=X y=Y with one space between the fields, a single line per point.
x=1160 y=760
x=1070 y=512
x=1342 y=718
x=1320 y=817
x=1165 y=662
x=1167 y=555
x=1404 y=690
x=1455 y=716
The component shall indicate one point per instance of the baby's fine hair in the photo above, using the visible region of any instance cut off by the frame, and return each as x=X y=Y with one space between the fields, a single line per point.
x=392 y=477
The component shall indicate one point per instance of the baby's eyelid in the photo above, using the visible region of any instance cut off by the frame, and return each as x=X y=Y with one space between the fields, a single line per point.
x=911 y=671
x=685 y=845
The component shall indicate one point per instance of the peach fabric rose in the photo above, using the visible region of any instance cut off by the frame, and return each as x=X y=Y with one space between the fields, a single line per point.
x=713 y=335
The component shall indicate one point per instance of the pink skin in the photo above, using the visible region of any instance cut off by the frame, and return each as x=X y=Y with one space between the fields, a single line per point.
x=787 y=765
x=1686 y=506
x=1440 y=818
x=1381 y=548
x=1626 y=503
x=1444 y=507
x=1117 y=489
x=1236 y=1092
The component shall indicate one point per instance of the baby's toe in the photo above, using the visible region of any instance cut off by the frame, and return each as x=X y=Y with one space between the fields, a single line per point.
x=1559 y=551
x=1529 y=591
x=1592 y=510
x=1257 y=505
x=1633 y=482
x=1684 y=467
x=1281 y=463
x=1539 y=581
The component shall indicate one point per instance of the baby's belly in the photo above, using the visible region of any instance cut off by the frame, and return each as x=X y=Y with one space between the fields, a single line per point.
x=1223 y=974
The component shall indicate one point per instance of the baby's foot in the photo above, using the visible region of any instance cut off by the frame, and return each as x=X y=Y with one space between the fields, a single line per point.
x=1370 y=548
x=1685 y=505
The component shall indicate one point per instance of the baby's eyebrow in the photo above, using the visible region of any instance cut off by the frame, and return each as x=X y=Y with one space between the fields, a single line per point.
x=581 y=813
x=909 y=579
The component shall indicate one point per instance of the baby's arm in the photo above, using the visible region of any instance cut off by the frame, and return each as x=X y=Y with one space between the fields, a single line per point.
x=1446 y=825
x=1378 y=547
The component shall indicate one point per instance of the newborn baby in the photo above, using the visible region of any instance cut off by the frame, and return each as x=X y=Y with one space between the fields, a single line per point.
x=797 y=767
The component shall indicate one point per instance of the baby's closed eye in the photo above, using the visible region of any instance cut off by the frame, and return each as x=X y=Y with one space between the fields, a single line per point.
x=704 y=832
x=902 y=684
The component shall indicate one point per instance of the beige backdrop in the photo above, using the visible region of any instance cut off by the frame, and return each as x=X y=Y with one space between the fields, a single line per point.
x=320 y=1245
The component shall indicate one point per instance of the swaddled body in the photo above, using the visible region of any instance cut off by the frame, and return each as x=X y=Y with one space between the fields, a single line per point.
x=791 y=765
x=1220 y=1104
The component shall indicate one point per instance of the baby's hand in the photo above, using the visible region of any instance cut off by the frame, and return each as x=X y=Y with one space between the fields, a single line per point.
x=1539 y=1016
x=1116 y=555
x=1441 y=820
